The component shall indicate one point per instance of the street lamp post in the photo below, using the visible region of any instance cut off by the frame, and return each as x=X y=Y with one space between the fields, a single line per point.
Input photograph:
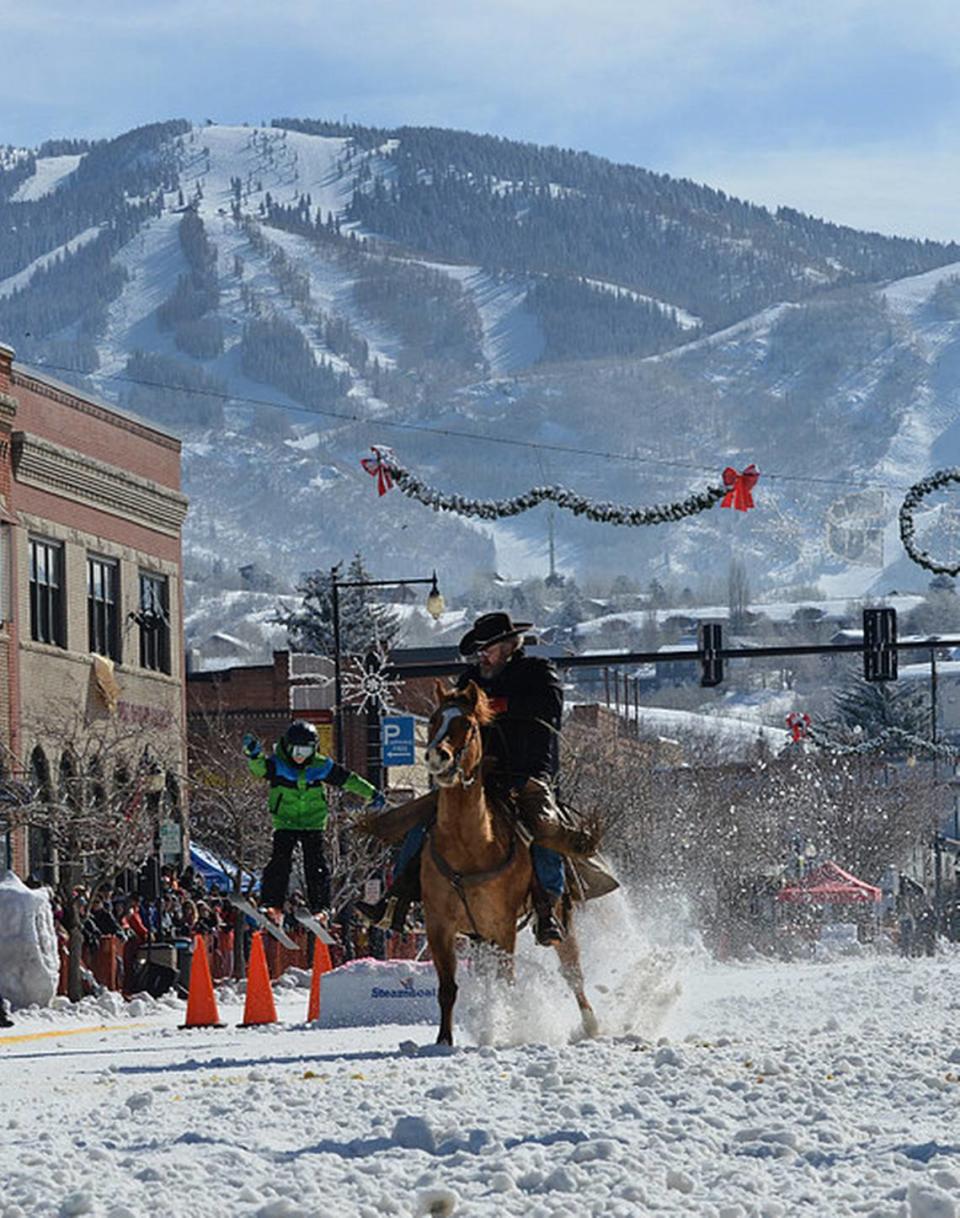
x=434 y=606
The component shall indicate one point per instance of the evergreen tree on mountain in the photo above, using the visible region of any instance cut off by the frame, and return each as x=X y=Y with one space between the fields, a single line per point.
x=365 y=624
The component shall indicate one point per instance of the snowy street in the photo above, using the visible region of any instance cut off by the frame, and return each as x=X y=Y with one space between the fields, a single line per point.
x=744 y=1089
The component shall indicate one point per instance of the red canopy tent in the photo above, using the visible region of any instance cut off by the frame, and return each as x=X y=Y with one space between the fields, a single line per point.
x=830 y=884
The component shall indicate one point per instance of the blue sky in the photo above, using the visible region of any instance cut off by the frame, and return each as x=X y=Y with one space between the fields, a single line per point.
x=847 y=109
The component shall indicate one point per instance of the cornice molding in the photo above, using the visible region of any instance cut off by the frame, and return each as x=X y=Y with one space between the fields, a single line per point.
x=8 y=408
x=72 y=475
x=57 y=393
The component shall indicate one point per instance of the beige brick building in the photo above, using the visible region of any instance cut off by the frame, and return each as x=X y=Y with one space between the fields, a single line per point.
x=90 y=590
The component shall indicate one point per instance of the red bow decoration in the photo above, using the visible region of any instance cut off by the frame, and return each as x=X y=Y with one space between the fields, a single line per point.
x=798 y=724
x=739 y=486
x=377 y=468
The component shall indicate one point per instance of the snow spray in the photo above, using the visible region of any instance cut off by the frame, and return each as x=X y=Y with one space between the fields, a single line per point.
x=631 y=970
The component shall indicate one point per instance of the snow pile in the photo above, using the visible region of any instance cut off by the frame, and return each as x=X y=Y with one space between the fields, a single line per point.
x=368 y=992
x=29 y=960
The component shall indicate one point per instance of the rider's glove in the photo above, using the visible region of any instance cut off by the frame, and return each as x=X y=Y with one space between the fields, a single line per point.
x=251 y=745
x=377 y=801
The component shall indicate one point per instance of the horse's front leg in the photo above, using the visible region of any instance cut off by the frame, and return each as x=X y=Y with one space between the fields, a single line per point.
x=443 y=950
x=568 y=951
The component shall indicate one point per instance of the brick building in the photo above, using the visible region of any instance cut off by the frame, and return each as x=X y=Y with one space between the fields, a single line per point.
x=90 y=588
x=263 y=698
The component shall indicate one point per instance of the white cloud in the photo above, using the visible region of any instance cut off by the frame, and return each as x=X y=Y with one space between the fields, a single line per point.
x=826 y=105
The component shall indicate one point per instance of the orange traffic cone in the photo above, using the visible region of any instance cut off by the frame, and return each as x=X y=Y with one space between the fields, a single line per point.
x=259 y=1006
x=321 y=964
x=201 y=1002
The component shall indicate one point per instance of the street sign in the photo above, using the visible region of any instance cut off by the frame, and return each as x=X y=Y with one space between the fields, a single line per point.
x=171 y=841
x=396 y=740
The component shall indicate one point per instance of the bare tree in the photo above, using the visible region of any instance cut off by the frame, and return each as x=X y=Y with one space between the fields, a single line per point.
x=727 y=833
x=99 y=803
x=228 y=810
x=230 y=818
x=738 y=594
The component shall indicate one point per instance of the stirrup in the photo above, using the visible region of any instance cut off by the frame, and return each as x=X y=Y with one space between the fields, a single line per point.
x=547 y=930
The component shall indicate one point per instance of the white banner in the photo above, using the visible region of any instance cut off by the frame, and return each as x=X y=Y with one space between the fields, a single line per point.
x=367 y=992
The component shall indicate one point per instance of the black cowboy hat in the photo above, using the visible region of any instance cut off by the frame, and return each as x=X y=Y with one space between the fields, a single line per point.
x=490 y=628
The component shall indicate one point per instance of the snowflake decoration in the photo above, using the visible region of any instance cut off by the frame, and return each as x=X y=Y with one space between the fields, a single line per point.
x=366 y=684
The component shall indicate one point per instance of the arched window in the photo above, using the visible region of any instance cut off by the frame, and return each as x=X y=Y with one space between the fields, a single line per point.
x=41 y=858
x=69 y=788
x=40 y=773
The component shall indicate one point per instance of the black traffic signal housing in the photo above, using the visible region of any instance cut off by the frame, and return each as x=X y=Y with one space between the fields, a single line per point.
x=710 y=643
x=880 y=644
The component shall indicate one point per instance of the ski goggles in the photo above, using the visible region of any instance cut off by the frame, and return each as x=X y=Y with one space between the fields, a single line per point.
x=300 y=752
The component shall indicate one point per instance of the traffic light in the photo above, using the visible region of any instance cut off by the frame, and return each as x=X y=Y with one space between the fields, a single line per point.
x=710 y=642
x=880 y=644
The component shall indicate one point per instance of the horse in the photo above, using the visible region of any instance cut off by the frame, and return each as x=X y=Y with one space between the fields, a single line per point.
x=475 y=873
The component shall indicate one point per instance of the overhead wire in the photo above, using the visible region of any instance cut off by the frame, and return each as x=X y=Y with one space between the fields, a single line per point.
x=457 y=433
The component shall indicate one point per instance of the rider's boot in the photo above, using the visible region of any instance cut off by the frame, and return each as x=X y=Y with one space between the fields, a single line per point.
x=390 y=912
x=546 y=927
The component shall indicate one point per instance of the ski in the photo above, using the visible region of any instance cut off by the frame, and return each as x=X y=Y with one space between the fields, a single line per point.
x=261 y=919
x=314 y=926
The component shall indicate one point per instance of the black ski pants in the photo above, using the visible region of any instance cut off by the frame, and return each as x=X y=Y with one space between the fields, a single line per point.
x=276 y=874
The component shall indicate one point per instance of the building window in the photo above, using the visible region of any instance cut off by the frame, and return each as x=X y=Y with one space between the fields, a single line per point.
x=154 y=619
x=47 y=618
x=103 y=616
x=6 y=597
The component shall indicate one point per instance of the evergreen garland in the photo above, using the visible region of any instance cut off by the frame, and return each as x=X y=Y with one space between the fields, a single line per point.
x=942 y=477
x=385 y=467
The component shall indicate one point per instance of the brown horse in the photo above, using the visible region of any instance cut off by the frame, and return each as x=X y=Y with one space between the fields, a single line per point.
x=474 y=873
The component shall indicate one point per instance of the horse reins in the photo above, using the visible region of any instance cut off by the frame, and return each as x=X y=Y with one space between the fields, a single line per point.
x=459 y=881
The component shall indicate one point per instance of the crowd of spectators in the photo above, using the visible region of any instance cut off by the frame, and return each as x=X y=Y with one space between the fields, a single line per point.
x=183 y=908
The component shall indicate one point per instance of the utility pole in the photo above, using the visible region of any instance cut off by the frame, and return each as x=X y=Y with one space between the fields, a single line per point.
x=933 y=706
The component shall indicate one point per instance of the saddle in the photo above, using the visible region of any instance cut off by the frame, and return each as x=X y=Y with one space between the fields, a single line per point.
x=587 y=878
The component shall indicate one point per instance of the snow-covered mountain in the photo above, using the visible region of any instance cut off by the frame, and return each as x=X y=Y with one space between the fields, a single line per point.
x=503 y=316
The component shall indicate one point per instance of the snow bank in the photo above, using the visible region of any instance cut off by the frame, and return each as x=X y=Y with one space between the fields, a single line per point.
x=29 y=960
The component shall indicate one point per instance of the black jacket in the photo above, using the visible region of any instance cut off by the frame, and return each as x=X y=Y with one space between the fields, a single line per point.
x=525 y=736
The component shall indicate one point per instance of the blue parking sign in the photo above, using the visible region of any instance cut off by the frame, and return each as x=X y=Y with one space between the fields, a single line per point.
x=396 y=740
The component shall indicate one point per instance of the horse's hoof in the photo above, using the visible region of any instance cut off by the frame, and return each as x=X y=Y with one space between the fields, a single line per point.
x=591 y=1025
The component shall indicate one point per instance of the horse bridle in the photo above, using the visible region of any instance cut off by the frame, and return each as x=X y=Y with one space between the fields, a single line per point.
x=449 y=713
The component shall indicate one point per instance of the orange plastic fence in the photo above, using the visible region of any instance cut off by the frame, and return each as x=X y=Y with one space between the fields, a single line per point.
x=113 y=961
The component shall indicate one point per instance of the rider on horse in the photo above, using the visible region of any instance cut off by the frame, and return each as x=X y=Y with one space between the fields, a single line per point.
x=522 y=741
